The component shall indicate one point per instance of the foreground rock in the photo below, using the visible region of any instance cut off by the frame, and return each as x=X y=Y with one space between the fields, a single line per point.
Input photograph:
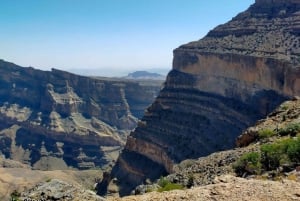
x=219 y=86
x=59 y=190
x=20 y=180
x=55 y=119
x=228 y=188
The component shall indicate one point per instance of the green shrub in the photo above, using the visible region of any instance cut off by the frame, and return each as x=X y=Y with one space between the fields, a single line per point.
x=166 y=185
x=284 y=107
x=266 y=133
x=271 y=154
x=163 y=182
x=249 y=163
x=291 y=129
x=293 y=150
x=14 y=196
x=285 y=151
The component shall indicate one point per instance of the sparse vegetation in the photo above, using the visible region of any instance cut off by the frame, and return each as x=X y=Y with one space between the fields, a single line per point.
x=148 y=190
x=284 y=107
x=284 y=152
x=190 y=182
x=166 y=185
x=291 y=129
x=266 y=133
x=15 y=196
x=249 y=163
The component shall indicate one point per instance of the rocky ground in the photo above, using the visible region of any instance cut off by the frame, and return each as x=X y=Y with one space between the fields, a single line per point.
x=228 y=188
x=19 y=178
x=60 y=190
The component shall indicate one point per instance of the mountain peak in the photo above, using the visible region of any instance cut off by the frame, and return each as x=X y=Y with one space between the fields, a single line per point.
x=275 y=1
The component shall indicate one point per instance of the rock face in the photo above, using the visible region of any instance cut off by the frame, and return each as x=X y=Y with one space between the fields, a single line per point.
x=219 y=86
x=56 y=119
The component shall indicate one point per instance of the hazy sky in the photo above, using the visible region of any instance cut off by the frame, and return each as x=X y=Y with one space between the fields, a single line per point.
x=106 y=34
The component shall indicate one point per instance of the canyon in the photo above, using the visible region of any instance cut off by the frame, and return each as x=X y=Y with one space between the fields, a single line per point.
x=58 y=120
x=227 y=96
x=220 y=85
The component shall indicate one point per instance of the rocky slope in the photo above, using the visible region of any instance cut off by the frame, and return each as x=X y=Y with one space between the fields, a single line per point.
x=54 y=120
x=220 y=167
x=204 y=170
x=219 y=86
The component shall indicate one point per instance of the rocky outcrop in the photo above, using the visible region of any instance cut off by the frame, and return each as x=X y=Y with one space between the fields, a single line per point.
x=59 y=190
x=219 y=86
x=17 y=179
x=56 y=119
x=283 y=118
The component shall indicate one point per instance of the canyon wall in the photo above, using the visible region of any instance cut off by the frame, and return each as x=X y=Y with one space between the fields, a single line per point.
x=55 y=119
x=218 y=86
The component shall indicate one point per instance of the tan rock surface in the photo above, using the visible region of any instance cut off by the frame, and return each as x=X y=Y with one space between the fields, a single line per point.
x=22 y=179
x=228 y=188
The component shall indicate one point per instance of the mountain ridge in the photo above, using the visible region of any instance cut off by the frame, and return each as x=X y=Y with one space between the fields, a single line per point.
x=56 y=119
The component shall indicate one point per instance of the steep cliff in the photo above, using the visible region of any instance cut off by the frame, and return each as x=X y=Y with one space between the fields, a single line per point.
x=57 y=119
x=219 y=85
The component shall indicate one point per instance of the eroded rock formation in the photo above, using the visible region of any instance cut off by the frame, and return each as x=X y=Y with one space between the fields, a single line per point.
x=56 y=119
x=219 y=86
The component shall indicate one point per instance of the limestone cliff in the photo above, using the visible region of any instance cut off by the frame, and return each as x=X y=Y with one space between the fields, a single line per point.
x=219 y=85
x=57 y=119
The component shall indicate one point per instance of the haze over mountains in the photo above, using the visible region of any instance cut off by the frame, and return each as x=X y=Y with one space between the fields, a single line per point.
x=113 y=72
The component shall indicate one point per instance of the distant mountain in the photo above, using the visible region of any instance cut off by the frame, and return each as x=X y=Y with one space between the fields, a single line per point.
x=56 y=119
x=145 y=75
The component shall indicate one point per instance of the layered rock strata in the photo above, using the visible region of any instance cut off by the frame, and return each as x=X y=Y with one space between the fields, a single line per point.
x=56 y=119
x=219 y=86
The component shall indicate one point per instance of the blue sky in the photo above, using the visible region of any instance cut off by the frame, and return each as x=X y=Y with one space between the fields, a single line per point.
x=108 y=35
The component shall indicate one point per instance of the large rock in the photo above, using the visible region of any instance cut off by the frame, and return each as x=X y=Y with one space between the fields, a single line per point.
x=54 y=120
x=219 y=86
x=59 y=190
